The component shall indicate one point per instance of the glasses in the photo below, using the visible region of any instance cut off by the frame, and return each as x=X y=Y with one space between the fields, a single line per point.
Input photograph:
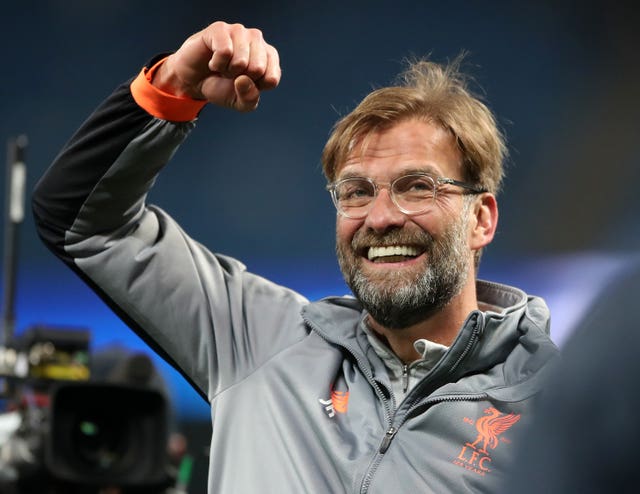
x=412 y=194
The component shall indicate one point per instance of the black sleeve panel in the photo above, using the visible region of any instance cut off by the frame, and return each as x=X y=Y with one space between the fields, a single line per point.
x=61 y=192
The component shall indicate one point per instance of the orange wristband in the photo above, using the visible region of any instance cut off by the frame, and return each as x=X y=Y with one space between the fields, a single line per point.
x=160 y=104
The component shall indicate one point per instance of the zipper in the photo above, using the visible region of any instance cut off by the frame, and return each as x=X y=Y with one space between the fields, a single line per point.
x=440 y=399
x=475 y=334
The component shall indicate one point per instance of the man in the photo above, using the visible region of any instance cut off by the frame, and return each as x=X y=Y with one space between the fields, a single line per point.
x=413 y=386
x=585 y=433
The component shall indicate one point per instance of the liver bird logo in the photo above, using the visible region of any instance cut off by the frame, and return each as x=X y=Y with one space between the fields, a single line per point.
x=491 y=426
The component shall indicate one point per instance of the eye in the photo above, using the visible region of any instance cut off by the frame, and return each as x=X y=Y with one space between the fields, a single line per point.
x=414 y=186
x=354 y=190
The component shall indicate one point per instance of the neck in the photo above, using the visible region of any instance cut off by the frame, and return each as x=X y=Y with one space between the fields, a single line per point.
x=442 y=327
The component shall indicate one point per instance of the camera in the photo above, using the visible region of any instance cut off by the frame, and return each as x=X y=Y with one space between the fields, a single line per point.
x=68 y=428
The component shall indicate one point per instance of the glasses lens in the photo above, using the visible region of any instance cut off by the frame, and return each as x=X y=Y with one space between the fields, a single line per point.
x=414 y=193
x=353 y=196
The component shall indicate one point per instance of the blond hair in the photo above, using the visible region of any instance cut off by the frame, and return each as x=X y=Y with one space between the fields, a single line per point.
x=435 y=93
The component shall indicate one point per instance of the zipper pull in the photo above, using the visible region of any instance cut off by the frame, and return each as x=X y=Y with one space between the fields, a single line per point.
x=386 y=441
x=405 y=378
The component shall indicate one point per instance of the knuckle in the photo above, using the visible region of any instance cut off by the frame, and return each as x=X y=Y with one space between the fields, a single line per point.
x=237 y=27
x=219 y=25
x=273 y=53
x=257 y=68
x=255 y=34
x=237 y=66
x=224 y=51
x=272 y=81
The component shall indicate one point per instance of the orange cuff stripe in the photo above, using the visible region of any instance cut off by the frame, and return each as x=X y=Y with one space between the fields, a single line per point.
x=160 y=104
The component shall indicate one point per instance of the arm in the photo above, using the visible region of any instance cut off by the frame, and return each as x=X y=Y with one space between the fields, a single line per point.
x=226 y=65
x=90 y=209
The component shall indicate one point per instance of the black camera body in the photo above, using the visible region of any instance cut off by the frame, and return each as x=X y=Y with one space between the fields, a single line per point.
x=78 y=434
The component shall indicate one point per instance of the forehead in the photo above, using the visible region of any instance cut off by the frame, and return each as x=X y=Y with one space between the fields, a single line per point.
x=405 y=146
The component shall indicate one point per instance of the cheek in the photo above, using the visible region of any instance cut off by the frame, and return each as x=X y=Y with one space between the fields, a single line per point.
x=441 y=218
x=346 y=228
x=430 y=224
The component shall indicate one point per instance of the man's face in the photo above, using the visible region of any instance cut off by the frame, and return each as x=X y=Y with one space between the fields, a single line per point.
x=430 y=258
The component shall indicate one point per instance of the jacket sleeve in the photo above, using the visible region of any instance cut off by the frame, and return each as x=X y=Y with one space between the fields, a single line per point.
x=203 y=313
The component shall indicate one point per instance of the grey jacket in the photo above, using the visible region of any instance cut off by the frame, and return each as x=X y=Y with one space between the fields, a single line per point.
x=300 y=402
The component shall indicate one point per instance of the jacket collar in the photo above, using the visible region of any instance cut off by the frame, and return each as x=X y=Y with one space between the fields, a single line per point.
x=337 y=318
x=508 y=319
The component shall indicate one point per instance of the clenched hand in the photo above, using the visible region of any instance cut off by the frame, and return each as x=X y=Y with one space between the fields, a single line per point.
x=228 y=65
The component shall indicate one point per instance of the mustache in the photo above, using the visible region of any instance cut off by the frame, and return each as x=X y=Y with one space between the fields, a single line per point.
x=368 y=238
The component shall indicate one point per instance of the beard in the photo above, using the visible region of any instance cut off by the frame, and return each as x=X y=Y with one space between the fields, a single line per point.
x=398 y=299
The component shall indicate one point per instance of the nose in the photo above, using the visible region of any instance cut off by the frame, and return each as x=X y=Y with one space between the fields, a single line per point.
x=384 y=214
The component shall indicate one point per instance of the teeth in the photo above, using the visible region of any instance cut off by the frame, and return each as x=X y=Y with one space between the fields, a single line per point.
x=393 y=250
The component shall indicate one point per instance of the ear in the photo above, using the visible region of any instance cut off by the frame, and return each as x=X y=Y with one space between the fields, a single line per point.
x=484 y=221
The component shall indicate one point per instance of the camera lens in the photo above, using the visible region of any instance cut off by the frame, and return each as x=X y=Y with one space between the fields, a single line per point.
x=100 y=442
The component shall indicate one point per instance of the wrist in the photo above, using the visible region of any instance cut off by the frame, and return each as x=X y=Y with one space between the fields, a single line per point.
x=160 y=99
x=162 y=76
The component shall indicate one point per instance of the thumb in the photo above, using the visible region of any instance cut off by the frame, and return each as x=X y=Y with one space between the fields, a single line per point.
x=247 y=94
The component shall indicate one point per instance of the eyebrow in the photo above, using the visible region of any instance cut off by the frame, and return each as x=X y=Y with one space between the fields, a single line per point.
x=431 y=170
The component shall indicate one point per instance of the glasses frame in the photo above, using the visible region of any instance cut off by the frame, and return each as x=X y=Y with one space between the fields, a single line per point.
x=437 y=182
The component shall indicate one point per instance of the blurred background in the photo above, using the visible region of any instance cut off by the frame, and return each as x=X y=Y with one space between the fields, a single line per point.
x=561 y=76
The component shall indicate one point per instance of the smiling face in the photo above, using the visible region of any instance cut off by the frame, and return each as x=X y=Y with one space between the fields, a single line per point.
x=404 y=268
